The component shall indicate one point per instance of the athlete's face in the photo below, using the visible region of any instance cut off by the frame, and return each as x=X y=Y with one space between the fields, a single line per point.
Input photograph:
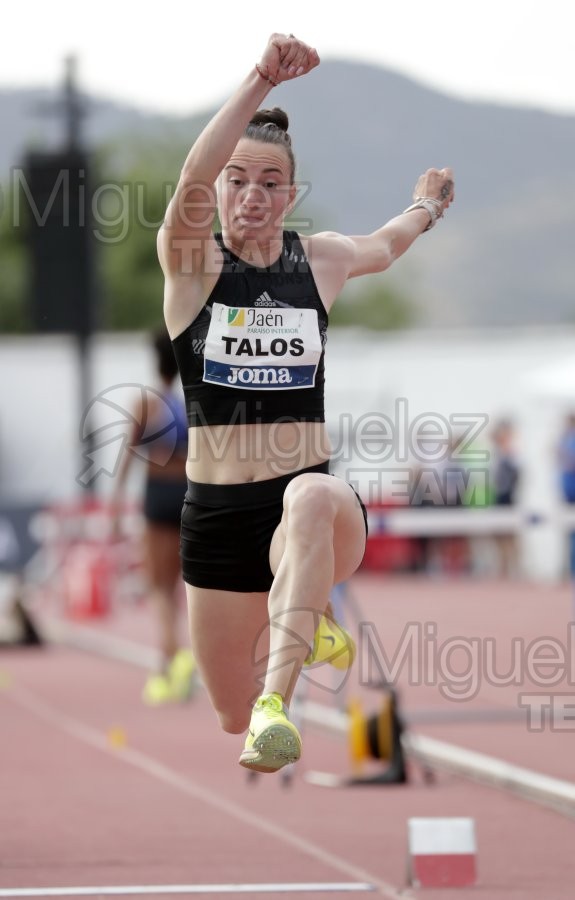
x=255 y=190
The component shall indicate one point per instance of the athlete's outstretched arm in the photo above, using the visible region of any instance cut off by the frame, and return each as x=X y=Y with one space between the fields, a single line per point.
x=347 y=256
x=377 y=251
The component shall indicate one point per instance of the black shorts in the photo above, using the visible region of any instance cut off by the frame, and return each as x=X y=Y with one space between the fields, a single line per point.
x=227 y=531
x=163 y=501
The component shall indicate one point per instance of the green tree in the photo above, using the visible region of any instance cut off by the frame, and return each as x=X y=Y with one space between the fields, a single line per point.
x=127 y=215
x=14 y=287
x=373 y=302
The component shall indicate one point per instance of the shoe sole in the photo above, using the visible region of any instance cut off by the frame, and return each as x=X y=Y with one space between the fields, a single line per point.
x=276 y=746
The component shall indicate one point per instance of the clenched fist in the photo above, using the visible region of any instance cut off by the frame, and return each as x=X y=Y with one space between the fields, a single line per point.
x=436 y=184
x=286 y=57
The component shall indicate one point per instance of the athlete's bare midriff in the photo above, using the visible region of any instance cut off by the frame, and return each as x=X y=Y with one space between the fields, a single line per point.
x=163 y=469
x=232 y=454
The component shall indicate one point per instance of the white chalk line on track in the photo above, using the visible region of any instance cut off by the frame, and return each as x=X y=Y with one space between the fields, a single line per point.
x=25 y=699
x=341 y=887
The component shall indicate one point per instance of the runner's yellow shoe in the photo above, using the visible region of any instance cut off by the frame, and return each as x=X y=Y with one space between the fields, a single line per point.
x=175 y=684
x=272 y=740
x=157 y=690
x=181 y=674
x=332 y=644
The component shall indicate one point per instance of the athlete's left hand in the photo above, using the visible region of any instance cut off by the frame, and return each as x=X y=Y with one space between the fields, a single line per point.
x=438 y=184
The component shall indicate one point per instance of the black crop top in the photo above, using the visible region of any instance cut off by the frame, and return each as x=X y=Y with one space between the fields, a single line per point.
x=255 y=353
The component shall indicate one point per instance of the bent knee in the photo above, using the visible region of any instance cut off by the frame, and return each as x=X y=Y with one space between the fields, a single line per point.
x=310 y=495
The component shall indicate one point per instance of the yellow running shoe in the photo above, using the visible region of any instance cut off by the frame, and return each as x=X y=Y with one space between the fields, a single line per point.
x=332 y=644
x=157 y=690
x=181 y=672
x=272 y=740
x=175 y=684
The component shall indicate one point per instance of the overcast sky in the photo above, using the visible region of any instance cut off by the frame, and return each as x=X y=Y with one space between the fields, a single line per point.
x=183 y=56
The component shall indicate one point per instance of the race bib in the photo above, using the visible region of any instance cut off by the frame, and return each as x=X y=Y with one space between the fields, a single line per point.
x=262 y=348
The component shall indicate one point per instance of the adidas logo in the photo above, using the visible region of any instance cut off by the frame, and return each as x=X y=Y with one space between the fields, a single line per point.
x=264 y=300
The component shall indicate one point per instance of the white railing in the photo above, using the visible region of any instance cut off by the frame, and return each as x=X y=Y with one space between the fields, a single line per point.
x=448 y=521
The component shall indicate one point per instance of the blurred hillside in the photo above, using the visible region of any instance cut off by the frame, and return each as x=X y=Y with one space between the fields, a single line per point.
x=362 y=134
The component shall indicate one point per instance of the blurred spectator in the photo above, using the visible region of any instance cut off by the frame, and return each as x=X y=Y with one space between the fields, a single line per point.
x=566 y=460
x=504 y=468
x=17 y=628
x=441 y=484
x=161 y=432
x=504 y=474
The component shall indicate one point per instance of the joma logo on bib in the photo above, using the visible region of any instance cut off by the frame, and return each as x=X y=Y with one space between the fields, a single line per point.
x=259 y=375
x=251 y=349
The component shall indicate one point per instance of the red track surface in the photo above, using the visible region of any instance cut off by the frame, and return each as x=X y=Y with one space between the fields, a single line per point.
x=173 y=806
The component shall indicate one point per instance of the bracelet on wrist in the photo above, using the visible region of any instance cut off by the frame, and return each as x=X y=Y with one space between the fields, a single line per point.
x=431 y=205
x=265 y=77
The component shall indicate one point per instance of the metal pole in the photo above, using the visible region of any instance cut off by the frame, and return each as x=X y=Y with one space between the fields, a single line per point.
x=73 y=112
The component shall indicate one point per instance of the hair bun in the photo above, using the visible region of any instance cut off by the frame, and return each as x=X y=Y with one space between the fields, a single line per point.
x=270 y=126
x=275 y=116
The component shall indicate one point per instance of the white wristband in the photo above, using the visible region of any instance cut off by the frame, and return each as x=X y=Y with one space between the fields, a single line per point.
x=430 y=205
